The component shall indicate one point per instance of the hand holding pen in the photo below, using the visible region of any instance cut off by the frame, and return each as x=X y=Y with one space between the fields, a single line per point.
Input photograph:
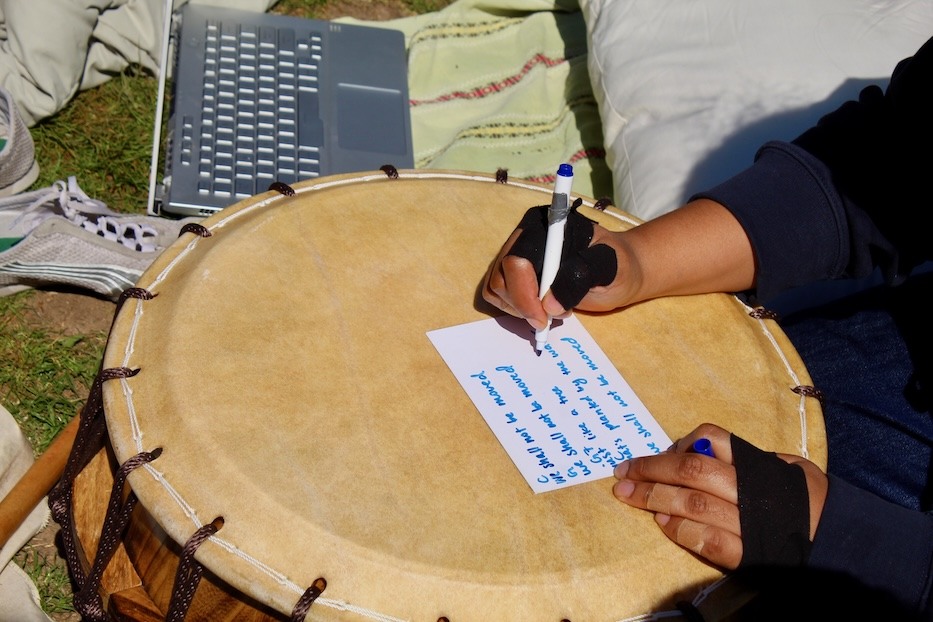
x=515 y=281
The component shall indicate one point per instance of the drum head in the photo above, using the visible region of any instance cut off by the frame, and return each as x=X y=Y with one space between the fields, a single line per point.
x=286 y=374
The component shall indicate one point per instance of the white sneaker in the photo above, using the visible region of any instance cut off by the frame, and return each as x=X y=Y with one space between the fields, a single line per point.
x=18 y=166
x=59 y=236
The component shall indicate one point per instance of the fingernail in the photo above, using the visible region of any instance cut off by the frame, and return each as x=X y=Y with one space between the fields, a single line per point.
x=621 y=470
x=662 y=519
x=624 y=489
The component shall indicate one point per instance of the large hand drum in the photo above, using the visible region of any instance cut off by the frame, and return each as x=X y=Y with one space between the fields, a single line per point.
x=291 y=433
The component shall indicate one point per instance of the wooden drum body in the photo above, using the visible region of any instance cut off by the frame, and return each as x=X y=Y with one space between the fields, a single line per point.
x=278 y=367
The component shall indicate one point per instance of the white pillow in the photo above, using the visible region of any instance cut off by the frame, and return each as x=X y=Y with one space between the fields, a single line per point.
x=689 y=89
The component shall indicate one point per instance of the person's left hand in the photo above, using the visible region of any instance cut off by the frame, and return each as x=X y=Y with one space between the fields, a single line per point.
x=695 y=497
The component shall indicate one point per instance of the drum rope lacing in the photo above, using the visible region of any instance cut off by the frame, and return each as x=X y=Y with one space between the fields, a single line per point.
x=189 y=572
x=804 y=390
x=88 y=441
x=87 y=600
x=307 y=599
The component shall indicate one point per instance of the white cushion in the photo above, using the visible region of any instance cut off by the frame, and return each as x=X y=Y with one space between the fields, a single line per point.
x=689 y=89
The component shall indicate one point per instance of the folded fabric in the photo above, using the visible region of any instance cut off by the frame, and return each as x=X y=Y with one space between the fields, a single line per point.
x=19 y=601
x=51 y=49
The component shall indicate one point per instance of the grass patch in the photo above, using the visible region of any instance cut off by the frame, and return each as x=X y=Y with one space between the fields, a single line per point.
x=49 y=571
x=313 y=8
x=103 y=138
x=427 y=6
x=46 y=377
x=300 y=8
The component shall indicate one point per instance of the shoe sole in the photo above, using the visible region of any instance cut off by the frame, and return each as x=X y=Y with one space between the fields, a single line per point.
x=22 y=183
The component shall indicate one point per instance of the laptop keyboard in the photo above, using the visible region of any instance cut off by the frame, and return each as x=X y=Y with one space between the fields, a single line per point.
x=260 y=97
x=260 y=121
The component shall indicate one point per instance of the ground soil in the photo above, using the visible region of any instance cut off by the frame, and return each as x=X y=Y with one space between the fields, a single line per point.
x=69 y=313
x=75 y=312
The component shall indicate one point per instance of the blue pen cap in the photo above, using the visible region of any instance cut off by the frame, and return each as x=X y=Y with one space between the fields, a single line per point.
x=565 y=170
x=703 y=446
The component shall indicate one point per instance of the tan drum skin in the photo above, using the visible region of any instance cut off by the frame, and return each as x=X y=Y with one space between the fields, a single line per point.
x=286 y=375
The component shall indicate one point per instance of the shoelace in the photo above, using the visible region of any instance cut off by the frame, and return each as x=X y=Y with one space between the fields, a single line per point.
x=130 y=234
x=89 y=214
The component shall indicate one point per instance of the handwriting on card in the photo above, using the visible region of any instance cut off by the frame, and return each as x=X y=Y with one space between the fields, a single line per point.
x=564 y=417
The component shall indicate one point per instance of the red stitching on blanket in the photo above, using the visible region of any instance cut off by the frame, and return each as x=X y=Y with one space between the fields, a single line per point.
x=494 y=87
x=587 y=154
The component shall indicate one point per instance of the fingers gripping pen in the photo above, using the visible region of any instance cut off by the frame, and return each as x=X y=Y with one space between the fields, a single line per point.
x=553 y=246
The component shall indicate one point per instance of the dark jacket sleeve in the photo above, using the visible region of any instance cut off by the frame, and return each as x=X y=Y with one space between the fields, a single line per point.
x=847 y=196
x=884 y=545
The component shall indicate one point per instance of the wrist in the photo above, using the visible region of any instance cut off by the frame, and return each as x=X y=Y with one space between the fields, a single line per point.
x=696 y=249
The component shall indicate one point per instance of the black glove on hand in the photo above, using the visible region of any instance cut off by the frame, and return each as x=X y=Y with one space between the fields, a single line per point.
x=582 y=266
x=774 y=508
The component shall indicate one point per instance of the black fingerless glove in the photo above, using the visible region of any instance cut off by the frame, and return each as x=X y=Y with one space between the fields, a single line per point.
x=774 y=508
x=582 y=266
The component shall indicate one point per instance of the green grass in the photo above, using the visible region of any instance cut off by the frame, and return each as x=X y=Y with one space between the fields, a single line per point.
x=43 y=383
x=47 y=571
x=103 y=138
x=313 y=8
x=426 y=6
x=45 y=376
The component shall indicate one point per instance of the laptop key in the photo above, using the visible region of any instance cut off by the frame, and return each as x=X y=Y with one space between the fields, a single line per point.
x=287 y=38
x=245 y=187
x=266 y=36
x=310 y=127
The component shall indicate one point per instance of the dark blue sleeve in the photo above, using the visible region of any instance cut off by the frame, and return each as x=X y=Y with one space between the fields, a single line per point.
x=883 y=545
x=847 y=196
x=795 y=220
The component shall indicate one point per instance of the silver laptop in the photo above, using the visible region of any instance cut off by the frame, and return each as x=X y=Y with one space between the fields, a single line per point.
x=259 y=98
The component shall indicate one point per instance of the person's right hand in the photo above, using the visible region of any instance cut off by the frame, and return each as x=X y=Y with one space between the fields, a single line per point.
x=695 y=249
x=588 y=277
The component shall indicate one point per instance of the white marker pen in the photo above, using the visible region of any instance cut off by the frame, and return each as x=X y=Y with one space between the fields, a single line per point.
x=553 y=246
